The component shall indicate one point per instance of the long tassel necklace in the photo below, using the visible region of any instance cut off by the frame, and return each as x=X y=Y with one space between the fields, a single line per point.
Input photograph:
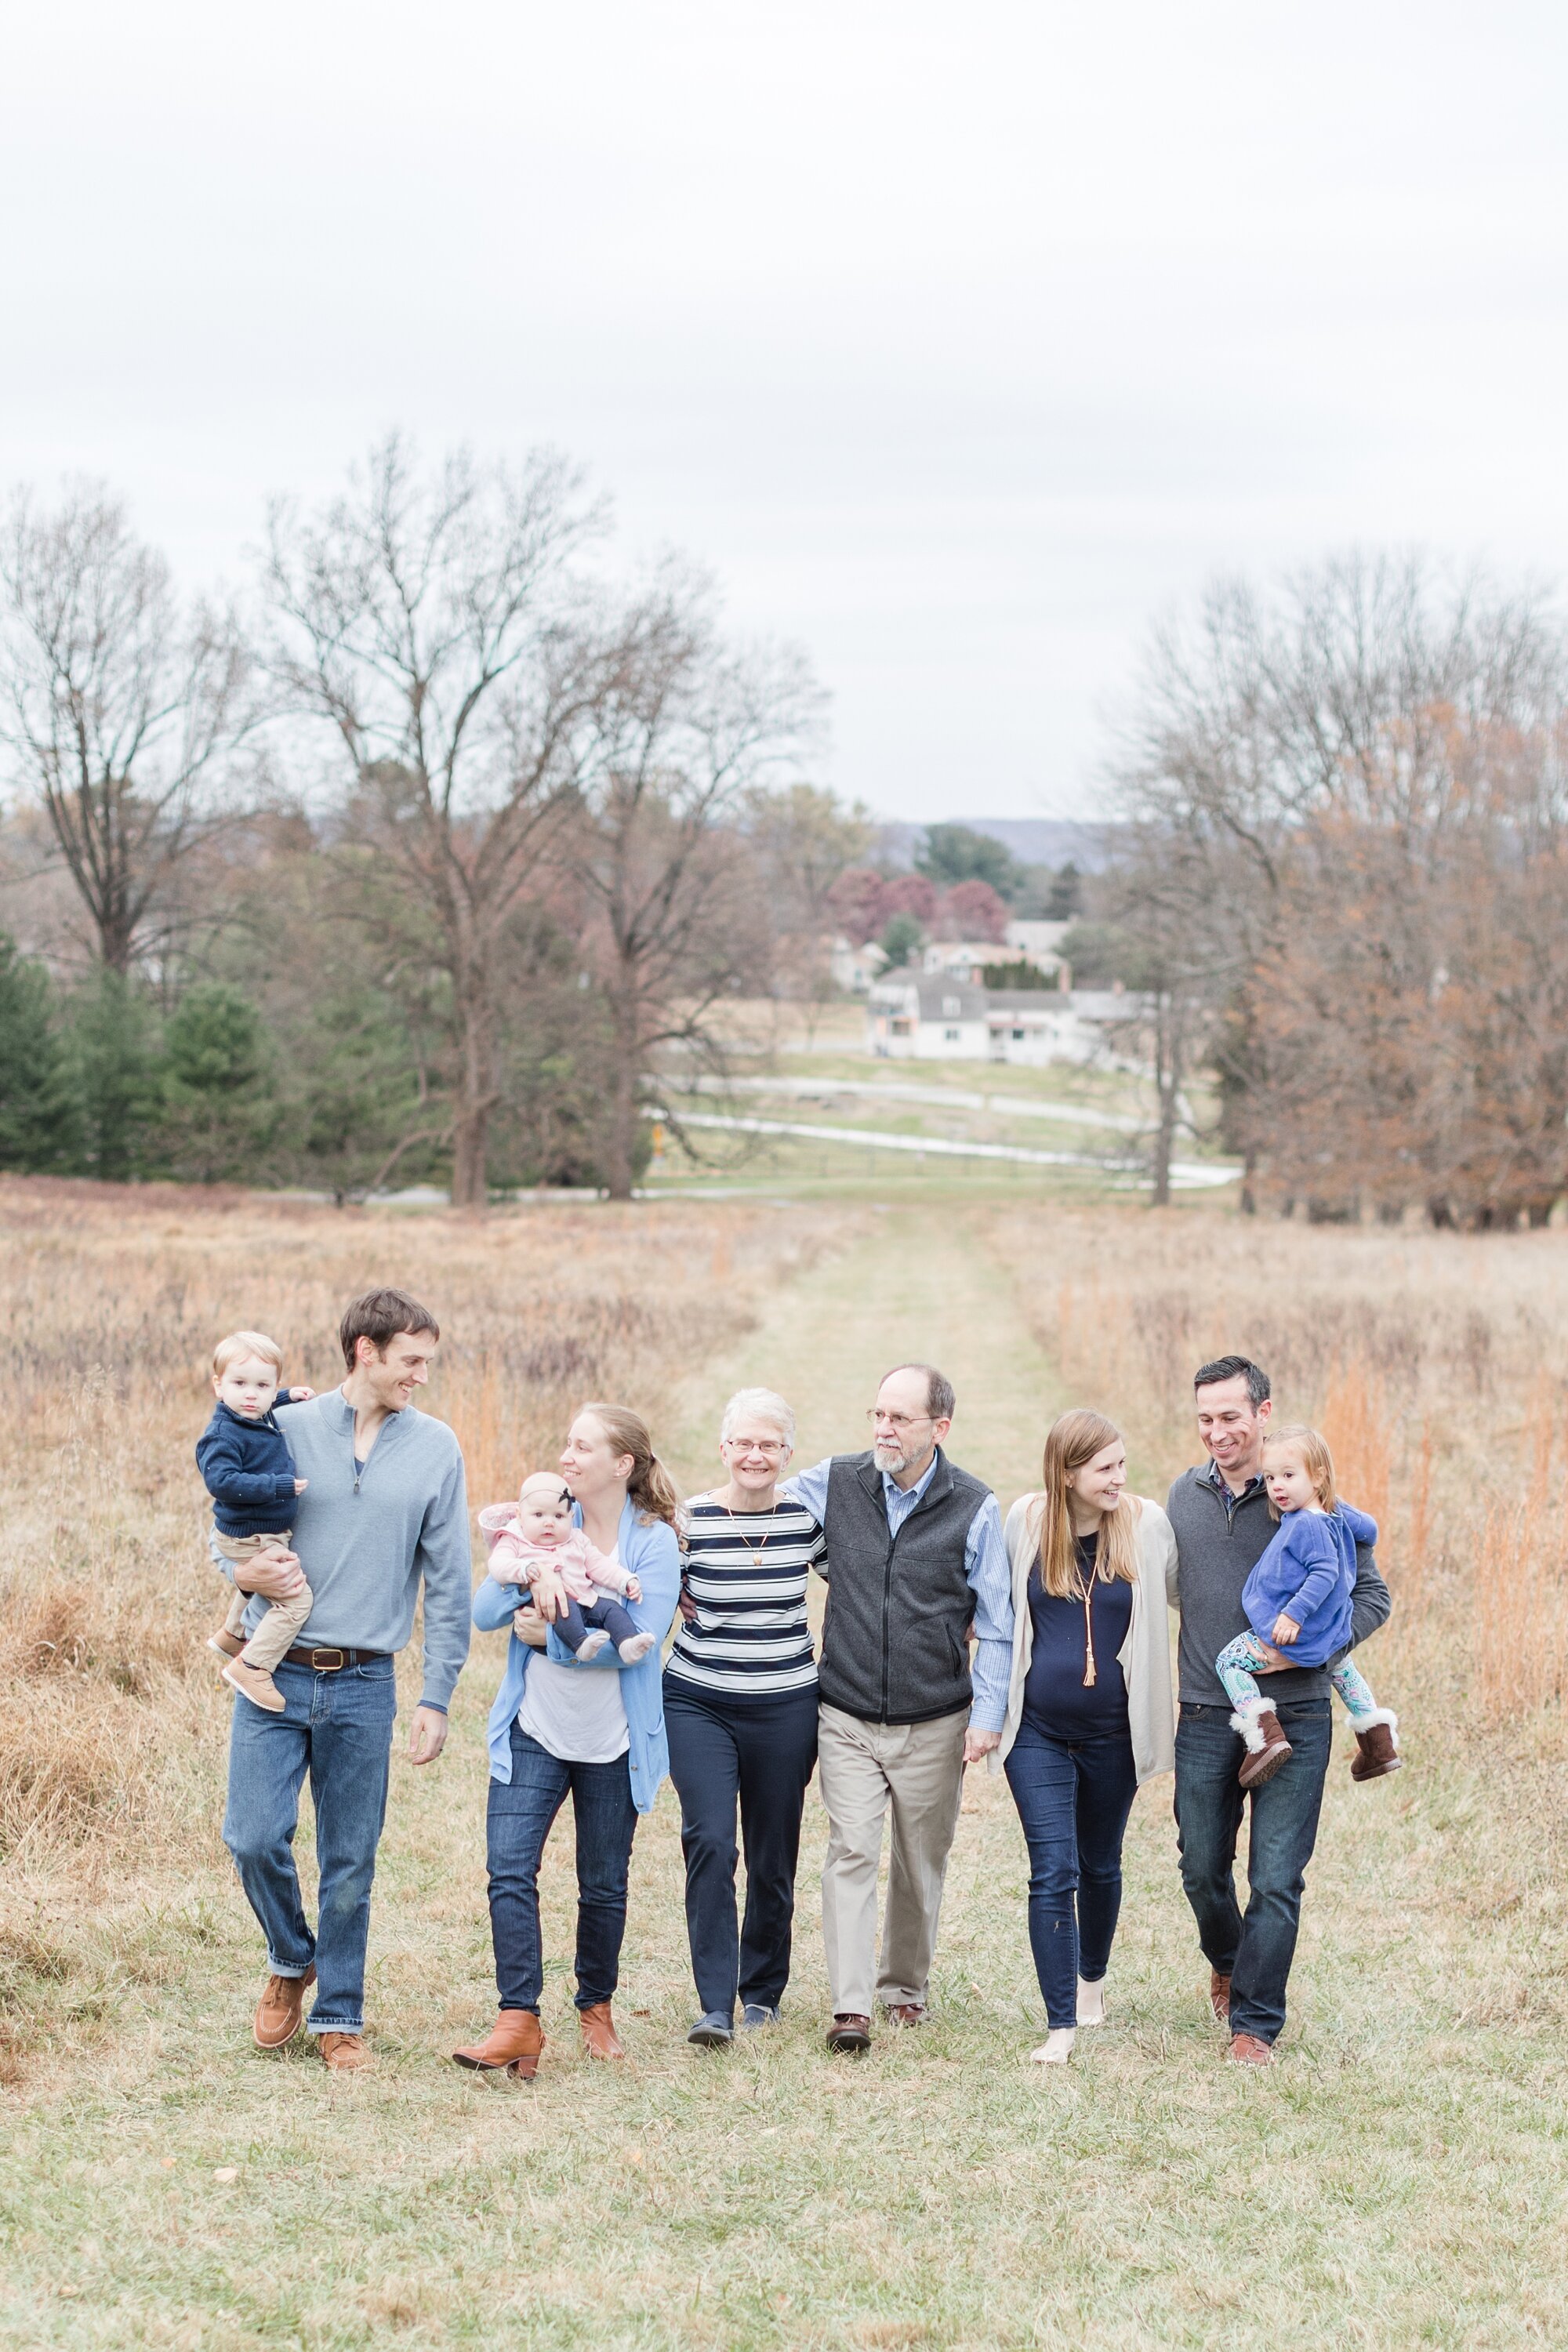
x=1086 y=1592
x=757 y=1554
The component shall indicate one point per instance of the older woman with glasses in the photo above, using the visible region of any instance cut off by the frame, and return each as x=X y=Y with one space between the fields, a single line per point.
x=740 y=1714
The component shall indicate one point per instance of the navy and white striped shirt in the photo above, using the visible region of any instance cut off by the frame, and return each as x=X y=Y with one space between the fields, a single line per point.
x=747 y=1572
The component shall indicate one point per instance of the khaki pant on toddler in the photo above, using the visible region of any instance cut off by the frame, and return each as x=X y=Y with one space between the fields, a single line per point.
x=276 y=1633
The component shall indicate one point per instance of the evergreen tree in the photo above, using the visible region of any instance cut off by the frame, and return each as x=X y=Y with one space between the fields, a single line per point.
x=113 y=1048
x=40 y=1109
x=217 y=1110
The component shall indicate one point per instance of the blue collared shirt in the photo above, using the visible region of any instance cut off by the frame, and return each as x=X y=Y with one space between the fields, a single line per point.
x=985 y=1567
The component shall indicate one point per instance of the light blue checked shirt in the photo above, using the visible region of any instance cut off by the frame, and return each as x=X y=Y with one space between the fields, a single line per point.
x=985 y=1566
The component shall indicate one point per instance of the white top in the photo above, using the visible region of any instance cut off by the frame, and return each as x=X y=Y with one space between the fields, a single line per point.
x=575 y=1713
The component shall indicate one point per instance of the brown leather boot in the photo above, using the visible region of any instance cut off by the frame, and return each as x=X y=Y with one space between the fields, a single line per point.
x=1246 y=2050
x=279 y=2010
x=345 y=2053
x=1377 y=1750
x=513 y=2042
x=1267 y=1747
x=600 y=2039
x=1219 y=1995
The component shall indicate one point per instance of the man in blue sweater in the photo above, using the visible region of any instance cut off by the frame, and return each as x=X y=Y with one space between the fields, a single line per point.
x=1221 y=1519
x=383 y=1510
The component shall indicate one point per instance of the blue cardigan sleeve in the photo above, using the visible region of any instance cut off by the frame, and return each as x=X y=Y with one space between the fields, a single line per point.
x=495 y=1605
x=652 y=1555
x=1310 y=1550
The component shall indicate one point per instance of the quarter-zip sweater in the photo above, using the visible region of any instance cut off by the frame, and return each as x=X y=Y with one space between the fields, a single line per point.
x=895 y=1645
x=369 y=1538
x=1220 y=1539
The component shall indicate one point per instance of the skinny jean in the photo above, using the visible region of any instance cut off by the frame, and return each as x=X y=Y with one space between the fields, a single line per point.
x=1073 y=1797
x=519 y=1819
x=758 y=1754
x=338 y=1728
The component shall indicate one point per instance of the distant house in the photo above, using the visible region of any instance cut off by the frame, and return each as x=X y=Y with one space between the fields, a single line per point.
x=933 y=1017
x=854 y=969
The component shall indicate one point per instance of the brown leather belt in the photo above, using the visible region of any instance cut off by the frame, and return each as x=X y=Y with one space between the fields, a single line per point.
x=330 y=1661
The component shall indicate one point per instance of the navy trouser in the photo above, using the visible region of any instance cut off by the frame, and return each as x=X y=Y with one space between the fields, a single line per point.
x=517 y=1821
x=1256 y=1951
x=1073 y=1797
x=758 y=1754
x=337 y=1727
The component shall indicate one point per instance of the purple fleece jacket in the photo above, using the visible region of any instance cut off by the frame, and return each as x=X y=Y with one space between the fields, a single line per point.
x=1309 y=1573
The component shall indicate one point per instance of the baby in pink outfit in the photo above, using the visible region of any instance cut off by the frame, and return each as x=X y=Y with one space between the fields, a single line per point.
x=536 y=1533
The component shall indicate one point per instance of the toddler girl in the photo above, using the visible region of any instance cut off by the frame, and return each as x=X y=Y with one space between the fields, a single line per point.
x=1298 y=1602
x=536 y=1533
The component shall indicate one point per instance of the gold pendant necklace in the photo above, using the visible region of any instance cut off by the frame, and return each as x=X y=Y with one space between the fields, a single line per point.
x=734 y=1522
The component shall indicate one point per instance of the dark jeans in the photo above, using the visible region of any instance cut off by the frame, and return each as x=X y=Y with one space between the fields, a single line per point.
x=1254 y=1952
x=574 y=1621
x=337 y=1727
x=1073 y=1799
x=518 y=1823
x=759 y=1753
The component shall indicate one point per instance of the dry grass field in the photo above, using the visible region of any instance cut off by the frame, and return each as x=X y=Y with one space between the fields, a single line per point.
x=1398 y=2179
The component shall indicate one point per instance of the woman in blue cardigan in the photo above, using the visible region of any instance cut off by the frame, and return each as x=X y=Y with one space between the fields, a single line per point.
x=595 y=1731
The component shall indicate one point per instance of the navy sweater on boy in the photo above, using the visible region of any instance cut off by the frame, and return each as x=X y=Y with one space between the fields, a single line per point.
x=248 y=1471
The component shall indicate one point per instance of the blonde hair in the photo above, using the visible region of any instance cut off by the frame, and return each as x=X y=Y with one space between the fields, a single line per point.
x=757 y=1405
x=1315 y=1460
x=650 y=1485
x=1072 y=1441
x=240 y=1344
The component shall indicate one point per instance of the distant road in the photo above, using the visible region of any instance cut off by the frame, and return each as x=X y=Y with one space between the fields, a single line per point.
x=1189 y=1175
x=895 y=1090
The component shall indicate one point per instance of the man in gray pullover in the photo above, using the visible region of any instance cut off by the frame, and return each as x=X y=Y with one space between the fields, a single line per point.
x=384 y=1511
x=1220 y=1515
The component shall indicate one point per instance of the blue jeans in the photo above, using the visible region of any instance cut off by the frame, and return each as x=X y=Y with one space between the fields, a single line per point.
x=758 y=1754
x=1073 y=1799
x=1256 y=1951
x=337 y=1727
x=519 y=1819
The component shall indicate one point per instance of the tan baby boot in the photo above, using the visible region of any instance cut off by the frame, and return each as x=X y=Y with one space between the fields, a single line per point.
x=254 y=1684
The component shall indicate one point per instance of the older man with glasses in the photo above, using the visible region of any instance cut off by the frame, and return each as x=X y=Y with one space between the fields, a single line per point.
x=915 y=1562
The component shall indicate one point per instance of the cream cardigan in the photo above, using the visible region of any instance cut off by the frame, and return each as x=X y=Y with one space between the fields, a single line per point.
x=1144 y=1657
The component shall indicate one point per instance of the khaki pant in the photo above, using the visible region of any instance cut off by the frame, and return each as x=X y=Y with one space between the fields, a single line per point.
x=276 y=1633
x=919 y=1768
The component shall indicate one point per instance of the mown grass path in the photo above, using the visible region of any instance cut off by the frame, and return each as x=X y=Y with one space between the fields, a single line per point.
x=1397 y=2180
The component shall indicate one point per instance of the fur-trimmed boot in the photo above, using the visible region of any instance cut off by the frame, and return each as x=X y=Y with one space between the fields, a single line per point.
x=1376 y=1744
x=1266 y=1746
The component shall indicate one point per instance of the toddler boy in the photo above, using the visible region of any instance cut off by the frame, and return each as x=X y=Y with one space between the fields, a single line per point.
x=244 y=1458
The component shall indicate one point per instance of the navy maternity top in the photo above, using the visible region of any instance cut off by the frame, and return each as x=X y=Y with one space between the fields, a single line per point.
x=1055 y=1696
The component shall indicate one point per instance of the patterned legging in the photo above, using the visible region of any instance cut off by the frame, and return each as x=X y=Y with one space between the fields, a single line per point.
x=1239 y=1661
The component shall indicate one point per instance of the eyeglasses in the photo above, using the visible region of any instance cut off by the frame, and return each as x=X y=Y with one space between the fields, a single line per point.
x=759 y=1445
x=899 y=1421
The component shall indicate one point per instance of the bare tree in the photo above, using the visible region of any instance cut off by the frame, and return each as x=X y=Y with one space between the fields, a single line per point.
x=123 y=714
x=675 y=894
x=434 y=621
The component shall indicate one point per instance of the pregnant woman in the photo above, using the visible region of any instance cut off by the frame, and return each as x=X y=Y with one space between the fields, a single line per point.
x=739 y=1703
x=593 y=1731
x=1090 y=1714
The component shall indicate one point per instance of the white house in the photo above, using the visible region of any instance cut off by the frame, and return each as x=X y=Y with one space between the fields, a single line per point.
x=927 y=1017
x=854 y=969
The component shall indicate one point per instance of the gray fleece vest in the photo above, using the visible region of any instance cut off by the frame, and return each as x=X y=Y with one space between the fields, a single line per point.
x=898 y=1607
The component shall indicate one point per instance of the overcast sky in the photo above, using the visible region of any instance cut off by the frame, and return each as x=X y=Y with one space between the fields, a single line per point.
x=958 y=341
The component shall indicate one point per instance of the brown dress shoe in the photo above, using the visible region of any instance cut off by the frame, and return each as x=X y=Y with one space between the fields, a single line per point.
x=345 y=2053
x=1219 y=1995
x=1246 y=2050
x=907 y=2012
x=279 y=2010
x=514 y=2042
x=1375 y=1753
x=1261 y=1763
x=849 y=2031
x=600 y=2039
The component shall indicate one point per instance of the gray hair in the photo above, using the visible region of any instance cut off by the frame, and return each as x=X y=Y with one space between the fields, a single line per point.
x=766 y=1404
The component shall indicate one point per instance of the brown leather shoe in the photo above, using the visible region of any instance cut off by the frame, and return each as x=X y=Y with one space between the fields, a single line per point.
x=227 y=1644
x=907 y=2012
x=849 y=2031
x=1262 y=1763
x=254 y=1684
x=1246 y=2050
x=279 y=2010
x=513 y=2042
x=345 y=2053
x=1219 y=1995
x=600 y=2039
x=1377 y=1752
